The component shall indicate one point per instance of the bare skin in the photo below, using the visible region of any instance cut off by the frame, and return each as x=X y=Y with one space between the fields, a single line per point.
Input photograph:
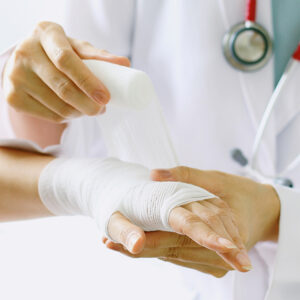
x=46 y=83
x=19 y=174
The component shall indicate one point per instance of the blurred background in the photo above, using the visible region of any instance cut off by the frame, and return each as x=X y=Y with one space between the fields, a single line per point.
x=63 y=258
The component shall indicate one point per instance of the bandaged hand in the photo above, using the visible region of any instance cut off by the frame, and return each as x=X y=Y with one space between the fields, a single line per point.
x=256 y=208
x=100 y=188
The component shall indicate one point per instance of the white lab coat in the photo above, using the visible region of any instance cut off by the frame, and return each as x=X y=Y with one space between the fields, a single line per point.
x=210 y=109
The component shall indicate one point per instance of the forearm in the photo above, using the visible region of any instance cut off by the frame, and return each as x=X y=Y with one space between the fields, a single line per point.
x=19 y=175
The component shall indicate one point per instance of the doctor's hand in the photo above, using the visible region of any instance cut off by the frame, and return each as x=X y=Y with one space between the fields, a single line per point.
x=179 y=250
x=46 y=78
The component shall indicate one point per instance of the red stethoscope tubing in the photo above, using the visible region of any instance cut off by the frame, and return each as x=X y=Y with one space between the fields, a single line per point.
x=250 y=10
x=296 y=54
x=251 y=16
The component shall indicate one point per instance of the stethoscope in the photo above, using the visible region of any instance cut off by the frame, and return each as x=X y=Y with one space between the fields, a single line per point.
x=247 y=46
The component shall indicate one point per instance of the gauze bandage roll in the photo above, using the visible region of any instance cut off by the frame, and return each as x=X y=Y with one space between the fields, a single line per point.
x=133 y=127
x=134 y=131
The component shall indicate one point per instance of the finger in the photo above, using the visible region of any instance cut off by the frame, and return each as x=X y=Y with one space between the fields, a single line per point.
x=185 y=222
x=228 y=222
x=238 y=260
x=86 y=51
x=209 y=180
x=216 y=272
x=63 y=87
x=124 y=232
x=163 y=239
x=191 y=255
x=58 y=49
x=211 y=218
x=41 y=92
x=238 y=257
x=28 y=105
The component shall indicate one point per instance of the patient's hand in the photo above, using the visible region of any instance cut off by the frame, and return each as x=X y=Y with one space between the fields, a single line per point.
x=209 y=223
x=255 y=206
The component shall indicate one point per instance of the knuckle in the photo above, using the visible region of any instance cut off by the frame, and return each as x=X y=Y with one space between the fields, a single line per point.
x=84 y=82
x=45 y=25
x=221 y=203
x=184 y=173
x=221 y=212
x=188 y=220
x=211 y=218
x=64 y=88
x=20 y=56
x=13 y=99
x=210 y=237
x=93 y=110
x=62 y=57
x=67 y=112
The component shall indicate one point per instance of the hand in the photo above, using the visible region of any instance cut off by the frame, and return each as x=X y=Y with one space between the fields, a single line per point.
x=256 y=205
x=177 y=249
x=208 y=223
x=46 y=78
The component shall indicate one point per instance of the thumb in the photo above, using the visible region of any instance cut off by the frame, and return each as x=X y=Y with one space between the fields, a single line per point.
x=212 y=181
x=124 y=232
x=86 y=51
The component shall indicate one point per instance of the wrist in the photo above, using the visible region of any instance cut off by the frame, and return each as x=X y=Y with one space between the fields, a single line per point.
x=271 y=213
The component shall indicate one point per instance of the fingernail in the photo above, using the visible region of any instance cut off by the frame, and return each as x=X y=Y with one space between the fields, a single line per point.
x=165 y=174
x=131 y=240
x=227 y=243
x=244 y=260
x=247 y=268
x=100 y=97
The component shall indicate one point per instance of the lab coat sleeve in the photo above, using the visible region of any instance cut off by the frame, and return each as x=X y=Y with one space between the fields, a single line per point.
x=285 y=283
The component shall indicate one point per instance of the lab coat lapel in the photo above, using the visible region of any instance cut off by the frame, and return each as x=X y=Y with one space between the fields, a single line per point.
x=288 y=105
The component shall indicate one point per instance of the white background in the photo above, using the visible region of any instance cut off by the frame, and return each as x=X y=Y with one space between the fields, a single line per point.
x=63 y=258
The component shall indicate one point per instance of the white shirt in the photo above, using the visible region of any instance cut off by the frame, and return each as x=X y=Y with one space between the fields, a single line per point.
x=210 y=109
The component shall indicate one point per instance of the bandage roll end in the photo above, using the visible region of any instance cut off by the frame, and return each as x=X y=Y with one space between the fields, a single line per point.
x=128 y=87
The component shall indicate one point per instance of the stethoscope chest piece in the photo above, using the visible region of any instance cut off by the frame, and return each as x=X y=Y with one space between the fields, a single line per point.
x=247 y=46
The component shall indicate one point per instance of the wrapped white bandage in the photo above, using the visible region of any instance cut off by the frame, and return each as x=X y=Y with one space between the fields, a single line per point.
x=134 y=131
x=133 y=127
x=98 y=188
